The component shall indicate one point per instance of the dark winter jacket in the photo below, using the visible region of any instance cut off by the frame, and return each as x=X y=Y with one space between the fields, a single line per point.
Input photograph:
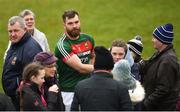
x=18 y=56
x=135 y=72
x=101 y=93
x=50 y=81
x=32 y=98
x=6 y=103
x=161 y=80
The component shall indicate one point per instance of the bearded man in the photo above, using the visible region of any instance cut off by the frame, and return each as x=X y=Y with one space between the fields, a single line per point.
x=75 y=51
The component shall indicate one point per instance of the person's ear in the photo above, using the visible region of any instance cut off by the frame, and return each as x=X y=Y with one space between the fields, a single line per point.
x=25 y=29
x=33 y=78
x=64 y=25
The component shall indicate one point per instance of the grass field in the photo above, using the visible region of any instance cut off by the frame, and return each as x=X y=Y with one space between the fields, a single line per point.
x=105 y=20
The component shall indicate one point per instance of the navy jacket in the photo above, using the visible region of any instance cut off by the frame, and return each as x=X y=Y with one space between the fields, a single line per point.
x=18 y=56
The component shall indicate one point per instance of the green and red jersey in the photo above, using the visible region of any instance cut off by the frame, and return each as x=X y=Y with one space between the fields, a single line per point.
x=83 y=47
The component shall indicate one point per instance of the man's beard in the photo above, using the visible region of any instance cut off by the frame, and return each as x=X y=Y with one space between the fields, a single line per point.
x=74 y=32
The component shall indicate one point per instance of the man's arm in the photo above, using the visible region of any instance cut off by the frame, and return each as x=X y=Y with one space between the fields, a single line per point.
x=46 y=43
x=8 y=47
x=164 y=83
x=76 y=63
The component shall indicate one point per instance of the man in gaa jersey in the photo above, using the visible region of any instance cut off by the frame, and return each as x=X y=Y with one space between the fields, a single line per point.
x=74 y=51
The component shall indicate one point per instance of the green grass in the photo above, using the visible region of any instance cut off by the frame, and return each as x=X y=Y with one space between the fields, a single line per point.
x=105 y=20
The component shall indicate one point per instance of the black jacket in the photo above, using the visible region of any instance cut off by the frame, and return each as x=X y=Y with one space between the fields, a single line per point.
x=6 y=103
x=59 y=106
x=18 y=56
x=161 y=80
x=101 y=93
x=31 y=98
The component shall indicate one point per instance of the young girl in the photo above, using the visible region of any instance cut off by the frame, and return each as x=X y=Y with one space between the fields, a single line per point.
x=48 y=60
x=32 y=91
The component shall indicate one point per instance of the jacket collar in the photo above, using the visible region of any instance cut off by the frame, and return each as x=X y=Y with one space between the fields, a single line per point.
x=102 y=73
x=34 y=87
x=157 y=54
x=49 y=81
x=166 y=49
x=25 y=37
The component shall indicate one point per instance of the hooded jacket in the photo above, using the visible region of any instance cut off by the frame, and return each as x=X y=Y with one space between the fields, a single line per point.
x=122 y=73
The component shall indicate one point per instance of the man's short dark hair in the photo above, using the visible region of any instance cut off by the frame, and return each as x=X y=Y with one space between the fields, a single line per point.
x=69 y=14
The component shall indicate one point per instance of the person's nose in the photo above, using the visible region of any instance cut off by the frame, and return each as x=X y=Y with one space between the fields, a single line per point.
x=43 y=80
x=118 y=57
x=152 y=39
x=13 y=34
x=75 y=25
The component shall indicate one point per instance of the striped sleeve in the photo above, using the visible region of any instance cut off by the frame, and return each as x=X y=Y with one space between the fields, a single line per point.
x=64 y=49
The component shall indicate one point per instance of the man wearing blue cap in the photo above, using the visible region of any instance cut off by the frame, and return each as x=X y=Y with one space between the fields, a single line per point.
x=161 y=72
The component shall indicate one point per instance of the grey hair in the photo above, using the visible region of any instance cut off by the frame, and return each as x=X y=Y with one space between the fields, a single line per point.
x=122 y=72
x=26 y=12
x=18 y=19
